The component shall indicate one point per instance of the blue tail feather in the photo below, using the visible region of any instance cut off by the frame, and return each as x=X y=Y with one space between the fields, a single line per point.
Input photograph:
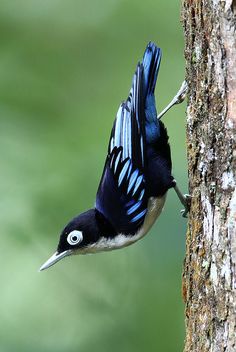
x=151 y=63
x=149 y=67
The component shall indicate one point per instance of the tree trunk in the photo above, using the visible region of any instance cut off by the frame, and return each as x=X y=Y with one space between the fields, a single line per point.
x=209 y=278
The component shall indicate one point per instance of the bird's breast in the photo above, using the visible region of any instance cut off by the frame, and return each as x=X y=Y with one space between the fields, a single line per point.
x=155 y=206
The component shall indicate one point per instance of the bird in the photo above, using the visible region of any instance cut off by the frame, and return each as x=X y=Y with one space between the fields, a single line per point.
x=137 y=173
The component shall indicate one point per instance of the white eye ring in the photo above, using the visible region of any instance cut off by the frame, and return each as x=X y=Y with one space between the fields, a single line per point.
x=74 y=237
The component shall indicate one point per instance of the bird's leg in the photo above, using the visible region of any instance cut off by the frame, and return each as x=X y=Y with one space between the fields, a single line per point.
x=185 y=199
x=178 y=98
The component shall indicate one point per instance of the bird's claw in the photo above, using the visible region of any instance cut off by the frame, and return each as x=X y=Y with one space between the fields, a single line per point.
x=187 y=203
x=184 y=213
x=180 y=96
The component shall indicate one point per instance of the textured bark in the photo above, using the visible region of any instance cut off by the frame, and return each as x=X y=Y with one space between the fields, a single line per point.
x=209 y=278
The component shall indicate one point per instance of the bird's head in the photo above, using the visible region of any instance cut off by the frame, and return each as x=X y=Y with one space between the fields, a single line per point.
x=78 y=237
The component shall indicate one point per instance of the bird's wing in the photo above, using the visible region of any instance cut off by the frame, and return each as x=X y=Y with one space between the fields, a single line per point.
x=122 y=194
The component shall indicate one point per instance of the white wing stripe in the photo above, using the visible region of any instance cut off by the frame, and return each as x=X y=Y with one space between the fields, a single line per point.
x=133 y=178
x=123 y=172
x=117 y=160
x=129 y=171
x=111 y=145
x=129 y=134
x=137 y=217
x=138 y=182
x=133 y=208
x=141 y=143
x=124 y=139
x=141 y=195
x=118 y=128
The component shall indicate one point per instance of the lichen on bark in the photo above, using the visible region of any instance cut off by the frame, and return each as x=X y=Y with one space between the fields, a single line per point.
x=209 y=277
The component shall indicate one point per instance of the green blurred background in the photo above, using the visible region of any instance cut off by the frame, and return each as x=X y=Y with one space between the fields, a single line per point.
x=65 y=66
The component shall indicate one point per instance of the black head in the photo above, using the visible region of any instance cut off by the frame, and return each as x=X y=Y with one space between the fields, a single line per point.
x=80 y=232
x=78 y=236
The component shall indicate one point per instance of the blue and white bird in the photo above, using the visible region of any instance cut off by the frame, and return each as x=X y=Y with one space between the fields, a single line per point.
x=136 y=176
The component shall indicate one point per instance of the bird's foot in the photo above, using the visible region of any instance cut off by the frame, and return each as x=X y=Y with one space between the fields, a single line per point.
x=186 y=202
x=178 y=98
x=181 y=95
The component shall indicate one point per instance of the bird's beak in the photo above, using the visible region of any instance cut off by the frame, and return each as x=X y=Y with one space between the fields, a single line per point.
x=54 y=259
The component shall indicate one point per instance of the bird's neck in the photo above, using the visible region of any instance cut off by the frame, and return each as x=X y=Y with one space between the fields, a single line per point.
x=105 y=227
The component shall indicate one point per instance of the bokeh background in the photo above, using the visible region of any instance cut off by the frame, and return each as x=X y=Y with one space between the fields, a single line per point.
x=65 y=66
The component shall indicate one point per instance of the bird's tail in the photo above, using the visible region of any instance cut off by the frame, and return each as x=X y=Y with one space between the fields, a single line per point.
x=151 y=63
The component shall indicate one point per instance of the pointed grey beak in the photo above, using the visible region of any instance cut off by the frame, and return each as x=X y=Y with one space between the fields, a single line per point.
x=54 y=259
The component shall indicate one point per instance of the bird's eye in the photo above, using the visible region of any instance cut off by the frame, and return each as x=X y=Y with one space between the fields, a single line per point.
x=74 y=237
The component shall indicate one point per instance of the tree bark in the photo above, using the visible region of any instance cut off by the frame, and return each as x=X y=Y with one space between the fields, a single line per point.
x=209 y=277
